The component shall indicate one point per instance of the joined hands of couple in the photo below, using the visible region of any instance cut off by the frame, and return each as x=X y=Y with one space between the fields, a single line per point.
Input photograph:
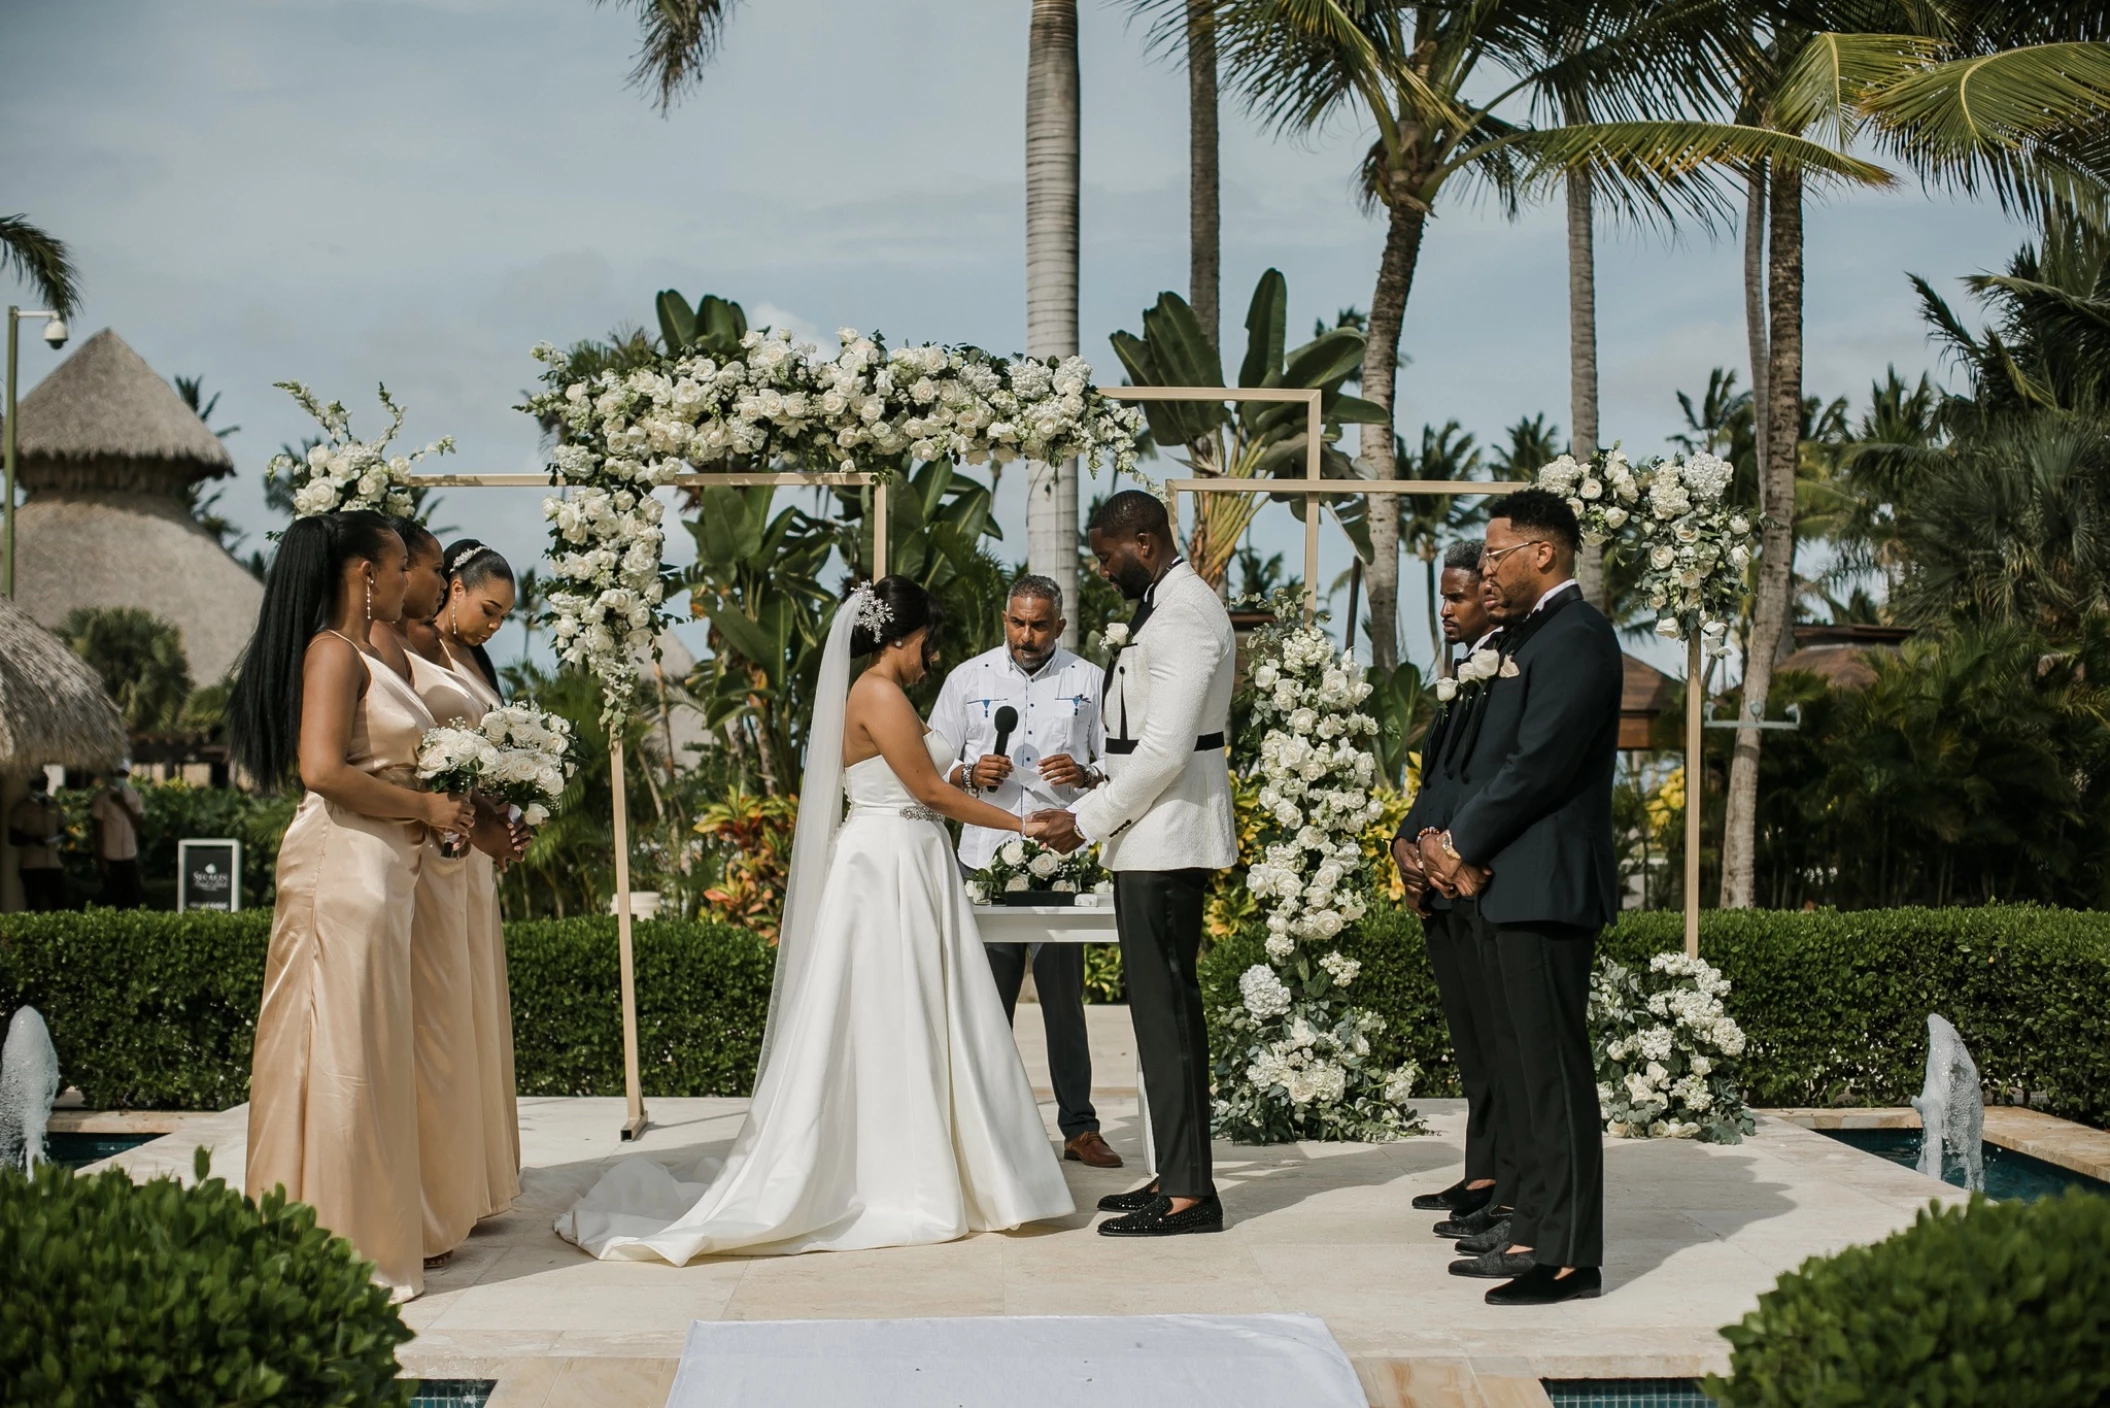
x=1424 y=865
x=1053 y=828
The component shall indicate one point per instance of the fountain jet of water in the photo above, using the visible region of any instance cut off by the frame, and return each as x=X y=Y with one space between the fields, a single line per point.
x=29 y=1082
x=1952 y=1106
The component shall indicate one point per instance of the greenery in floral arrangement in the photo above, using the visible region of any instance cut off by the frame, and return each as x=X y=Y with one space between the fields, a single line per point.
x=1989 y=1305
x=341 y=473
x=1296 y=1059
x=1666 y=1051
x=1024 y=865
x=159 y=1293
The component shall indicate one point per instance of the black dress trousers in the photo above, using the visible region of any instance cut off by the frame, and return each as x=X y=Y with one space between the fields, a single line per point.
x=1497 y=1031
x=1058 y=976
x=1159 y=914
x=1546 y=977
x=1456 y=966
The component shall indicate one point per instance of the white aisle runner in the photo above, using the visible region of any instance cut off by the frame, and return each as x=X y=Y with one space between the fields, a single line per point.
x=1112 y=1361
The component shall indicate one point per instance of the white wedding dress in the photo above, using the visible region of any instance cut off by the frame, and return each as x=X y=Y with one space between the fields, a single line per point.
x=891 y=1108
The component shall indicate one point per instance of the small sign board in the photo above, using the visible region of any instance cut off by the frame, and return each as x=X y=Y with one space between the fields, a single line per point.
x=209 y=875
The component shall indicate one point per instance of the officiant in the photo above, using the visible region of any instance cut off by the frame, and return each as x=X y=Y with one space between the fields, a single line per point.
x=1023 y=721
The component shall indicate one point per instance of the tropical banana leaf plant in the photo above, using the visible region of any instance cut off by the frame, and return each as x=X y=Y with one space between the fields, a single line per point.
x=1247 y=439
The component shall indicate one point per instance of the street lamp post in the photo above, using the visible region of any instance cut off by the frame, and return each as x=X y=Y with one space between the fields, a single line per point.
x=55 y=334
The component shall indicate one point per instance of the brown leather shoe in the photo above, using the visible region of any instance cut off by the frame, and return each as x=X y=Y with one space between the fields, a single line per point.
x=1091 y=1151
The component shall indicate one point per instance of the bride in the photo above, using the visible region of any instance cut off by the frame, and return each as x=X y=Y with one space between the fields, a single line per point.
x=890 y=1108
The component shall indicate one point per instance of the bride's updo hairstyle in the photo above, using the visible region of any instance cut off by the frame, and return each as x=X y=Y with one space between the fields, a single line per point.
x=904 y=608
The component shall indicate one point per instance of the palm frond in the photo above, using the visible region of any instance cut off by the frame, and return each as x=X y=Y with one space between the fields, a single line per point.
x=1827 y=76
x=41 y=261
x=677 y=39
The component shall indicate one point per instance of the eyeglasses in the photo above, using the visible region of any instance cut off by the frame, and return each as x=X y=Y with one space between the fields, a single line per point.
x=1492 y=557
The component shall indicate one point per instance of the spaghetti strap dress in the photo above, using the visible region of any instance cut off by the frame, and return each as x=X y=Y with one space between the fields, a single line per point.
x=333 y=1115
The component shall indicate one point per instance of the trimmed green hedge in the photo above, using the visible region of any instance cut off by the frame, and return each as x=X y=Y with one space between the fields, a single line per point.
x=1834 y=1004
x=153 y=1010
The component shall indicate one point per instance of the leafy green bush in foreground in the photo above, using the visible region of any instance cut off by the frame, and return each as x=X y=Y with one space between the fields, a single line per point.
x=158 y=1293
x=2005 y=1305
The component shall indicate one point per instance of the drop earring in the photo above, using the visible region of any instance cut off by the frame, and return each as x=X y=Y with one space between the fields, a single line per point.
x=369 y=599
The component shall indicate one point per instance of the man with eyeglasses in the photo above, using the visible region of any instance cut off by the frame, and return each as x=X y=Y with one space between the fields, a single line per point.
x=1529 y=834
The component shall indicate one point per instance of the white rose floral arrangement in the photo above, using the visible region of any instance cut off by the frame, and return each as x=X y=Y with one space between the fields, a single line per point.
x=625 y=434
x=1298 y=1063
x=533 y=761
x=1666 y=1051
x=1674 y=519
x=1031 y=872
x=454 y=758
x=342 y=473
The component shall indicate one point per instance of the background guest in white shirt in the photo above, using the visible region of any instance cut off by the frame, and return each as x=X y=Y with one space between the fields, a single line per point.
x=1047 y=759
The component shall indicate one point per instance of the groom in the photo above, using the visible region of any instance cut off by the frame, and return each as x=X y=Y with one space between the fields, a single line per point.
x=1163 y=823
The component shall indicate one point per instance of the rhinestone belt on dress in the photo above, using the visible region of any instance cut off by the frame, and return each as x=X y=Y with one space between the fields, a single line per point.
x=913 y=812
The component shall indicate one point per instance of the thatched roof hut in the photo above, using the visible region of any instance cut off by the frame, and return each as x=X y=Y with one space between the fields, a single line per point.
x=107 y=450
x=52 y=706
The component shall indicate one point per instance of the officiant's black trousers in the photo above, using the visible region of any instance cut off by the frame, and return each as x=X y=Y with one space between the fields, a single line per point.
x=1545 y=971
x=1159 y=913
x=1058 y=980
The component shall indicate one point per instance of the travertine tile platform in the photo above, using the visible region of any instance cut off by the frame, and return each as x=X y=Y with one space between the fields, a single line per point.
x=1695 y=1233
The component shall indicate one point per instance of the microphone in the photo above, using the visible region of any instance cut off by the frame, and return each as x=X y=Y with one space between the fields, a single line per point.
x=1006 y=720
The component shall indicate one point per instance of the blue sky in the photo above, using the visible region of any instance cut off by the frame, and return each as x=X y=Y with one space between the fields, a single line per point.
x=359 y=191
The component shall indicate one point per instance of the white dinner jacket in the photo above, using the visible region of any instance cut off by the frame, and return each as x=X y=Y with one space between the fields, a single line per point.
x=1167 y=806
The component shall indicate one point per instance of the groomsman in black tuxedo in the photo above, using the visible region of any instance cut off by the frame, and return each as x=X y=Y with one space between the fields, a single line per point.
x=1483 y=1195
x=1530 y=835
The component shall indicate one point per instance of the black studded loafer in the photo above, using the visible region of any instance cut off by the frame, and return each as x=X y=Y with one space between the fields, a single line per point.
x=1142 y=1198
x=1480 y=1243
x=1468 y=1224
x=1455 y=1199
x=1159 y=1220
x=1495 y=1266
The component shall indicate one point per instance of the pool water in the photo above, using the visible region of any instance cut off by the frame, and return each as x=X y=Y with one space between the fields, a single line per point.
x=1625 y=1393
x=452 y=1393
x=78 y=1150
x=2008 y=1174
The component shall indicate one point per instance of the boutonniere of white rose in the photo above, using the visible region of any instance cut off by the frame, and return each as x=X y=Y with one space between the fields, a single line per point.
x=1446 y=690
x=1480 y=666
x=1116 y=635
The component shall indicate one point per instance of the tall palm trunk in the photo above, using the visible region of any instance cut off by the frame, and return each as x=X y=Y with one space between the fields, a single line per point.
x=1582 y=358
x=1776 y=563
x=1388 y=310
x=1755 y=302
x=1052 y=104
x=1204 y=202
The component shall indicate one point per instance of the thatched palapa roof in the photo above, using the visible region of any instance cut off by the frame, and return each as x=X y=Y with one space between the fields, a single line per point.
x=107 y=449
x=52 y=706
x=104 y=422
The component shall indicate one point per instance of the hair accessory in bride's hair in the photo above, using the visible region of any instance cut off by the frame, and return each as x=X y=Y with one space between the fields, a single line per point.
x=867 y=610
x=462 y=559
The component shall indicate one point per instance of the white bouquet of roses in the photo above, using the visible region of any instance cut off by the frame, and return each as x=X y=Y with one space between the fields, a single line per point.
x=1026 y=867
x=454 y=758
x=533 y=759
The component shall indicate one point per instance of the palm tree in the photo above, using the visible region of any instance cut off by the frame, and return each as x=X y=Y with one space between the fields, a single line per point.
x=676 y=41
x=1980 y=102
x=1052 y=115
x=1191 y=26
x=1407 y=72
x=41 y=261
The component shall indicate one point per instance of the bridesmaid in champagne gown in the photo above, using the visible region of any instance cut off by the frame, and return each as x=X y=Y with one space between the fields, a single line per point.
x=333 y=1103
x=479 y=598
x=442 y=985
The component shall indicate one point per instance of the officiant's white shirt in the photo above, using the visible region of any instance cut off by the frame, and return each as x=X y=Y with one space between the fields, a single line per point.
x=1058 y=712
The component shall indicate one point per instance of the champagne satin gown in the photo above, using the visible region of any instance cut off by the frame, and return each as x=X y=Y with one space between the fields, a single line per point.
x=443 y=1011
x=454 y=692
x=333 y=1111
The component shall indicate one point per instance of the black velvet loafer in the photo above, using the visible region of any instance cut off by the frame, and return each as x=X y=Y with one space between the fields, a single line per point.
x=1142 y=1198
x=1492 y=1240
x=1469 y=1224
x=1544 y=1285
x=1495 y=1266
x=1455 y=1199
x=1159 y=1220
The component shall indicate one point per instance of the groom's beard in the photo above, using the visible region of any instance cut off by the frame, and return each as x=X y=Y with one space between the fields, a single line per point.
x=1134 y=580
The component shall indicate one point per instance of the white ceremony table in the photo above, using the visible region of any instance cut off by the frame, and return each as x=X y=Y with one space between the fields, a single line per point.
x=1067 y=924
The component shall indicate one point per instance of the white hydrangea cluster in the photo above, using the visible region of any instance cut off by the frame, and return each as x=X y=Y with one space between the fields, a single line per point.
x=533 y=759
x=1665 y=1051
x=1317 y=781
x=1299 y=1063
x=343 y=473
x=626 y=433
x=1692 y=546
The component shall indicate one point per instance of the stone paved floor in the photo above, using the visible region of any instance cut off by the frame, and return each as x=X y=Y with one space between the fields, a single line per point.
x=1695 y=1233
